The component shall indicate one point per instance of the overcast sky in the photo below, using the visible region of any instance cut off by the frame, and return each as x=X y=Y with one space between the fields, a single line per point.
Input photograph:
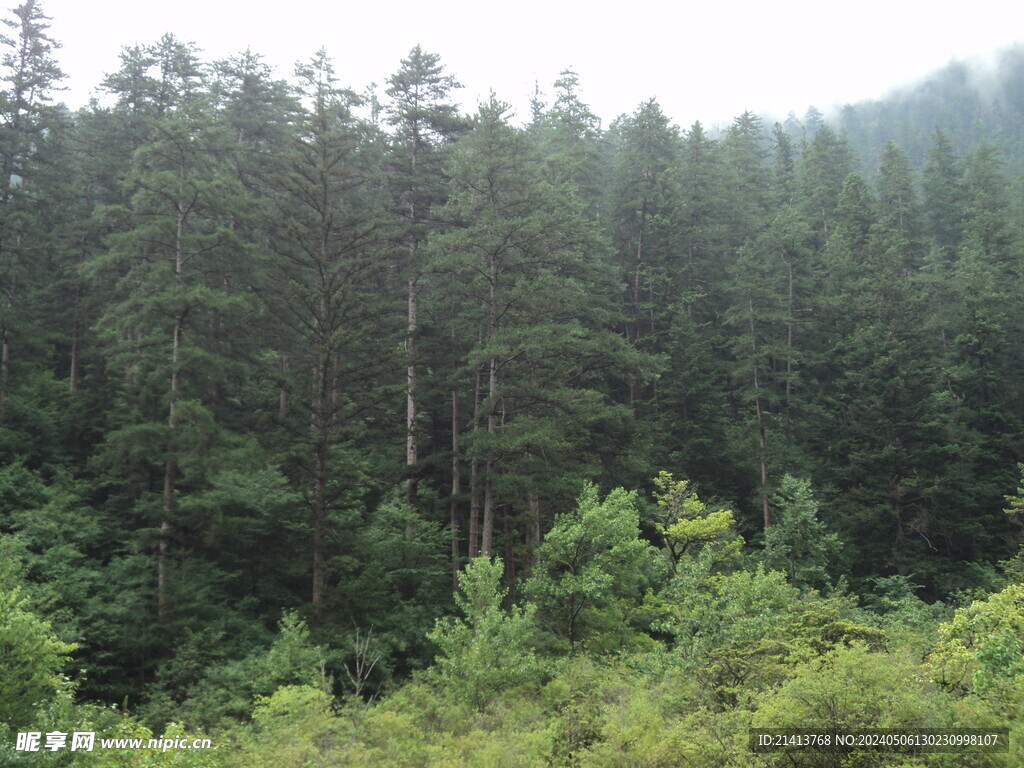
x=705 y=63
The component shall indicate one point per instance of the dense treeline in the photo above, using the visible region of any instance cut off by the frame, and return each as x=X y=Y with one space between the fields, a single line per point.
x=973 y=103
x=283 y=365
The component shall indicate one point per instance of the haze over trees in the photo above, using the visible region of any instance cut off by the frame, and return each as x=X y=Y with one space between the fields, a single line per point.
x=341 y=426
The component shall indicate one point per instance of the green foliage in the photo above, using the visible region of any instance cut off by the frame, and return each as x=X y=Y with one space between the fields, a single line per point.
x=32 y=660
x=398 y=581
x=902 y=614
x=979 y=649
x=593 y=565
x=575 y=697
x=1015 y=501
x=740 y=633
x=216 y=289
x=728 y=630
x=490 y=650
x=292 y=728
x=20 y=488
x=851 y=688
x=798 y=543
x=199 y=686
x=688 y=527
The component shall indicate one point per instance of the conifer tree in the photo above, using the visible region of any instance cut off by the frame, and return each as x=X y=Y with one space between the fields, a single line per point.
x=167 y=265
x=524 y=256
x=30 y=75
x=569 y=133
x=645 y=192
x=323 y=282
x=770 y=286
x=425 y=122
x=898 y=205
x=825 y=162
x=943 y=196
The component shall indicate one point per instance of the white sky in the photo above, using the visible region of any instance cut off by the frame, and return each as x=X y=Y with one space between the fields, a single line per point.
x=707 y=62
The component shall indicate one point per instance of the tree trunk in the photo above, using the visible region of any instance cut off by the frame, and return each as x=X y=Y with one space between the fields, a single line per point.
x=634 y=388
x=474 y=472
x=492 y=428
x=282 y=395
x=762 y=439
x=170 y=470
x=486 y=539
x=410 y=336
x=410 y=390
x=76 y=332
x=510 y=552
x=789 y=347
x=5 y=353
x=456 y=489
x=533 y=503
x=763 y=443
x=171 y=464
x=5 y=366
x=321 y=415
x=319 y=529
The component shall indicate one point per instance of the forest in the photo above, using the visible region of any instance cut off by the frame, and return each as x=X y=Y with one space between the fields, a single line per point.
x=345 y=428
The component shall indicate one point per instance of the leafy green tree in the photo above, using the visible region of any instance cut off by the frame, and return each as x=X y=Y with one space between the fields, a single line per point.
x=490 y=650
x=31 y=660
x=798 y=543
x=731 y=631
x=979 y=649
x=593 y=564
x=853 y=688
x=687 y=526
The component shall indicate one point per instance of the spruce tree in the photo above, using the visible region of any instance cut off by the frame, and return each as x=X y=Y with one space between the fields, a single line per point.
x=323 y=283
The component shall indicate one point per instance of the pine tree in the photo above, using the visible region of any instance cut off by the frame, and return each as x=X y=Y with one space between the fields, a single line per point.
x=988 y=316
x=771 y=284
x=748 y=189
x=897 y=199
x=425 y=122
x=877 y=382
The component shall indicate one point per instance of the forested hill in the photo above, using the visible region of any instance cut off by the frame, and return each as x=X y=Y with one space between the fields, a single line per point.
x=550 y=440
x=971 y=102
